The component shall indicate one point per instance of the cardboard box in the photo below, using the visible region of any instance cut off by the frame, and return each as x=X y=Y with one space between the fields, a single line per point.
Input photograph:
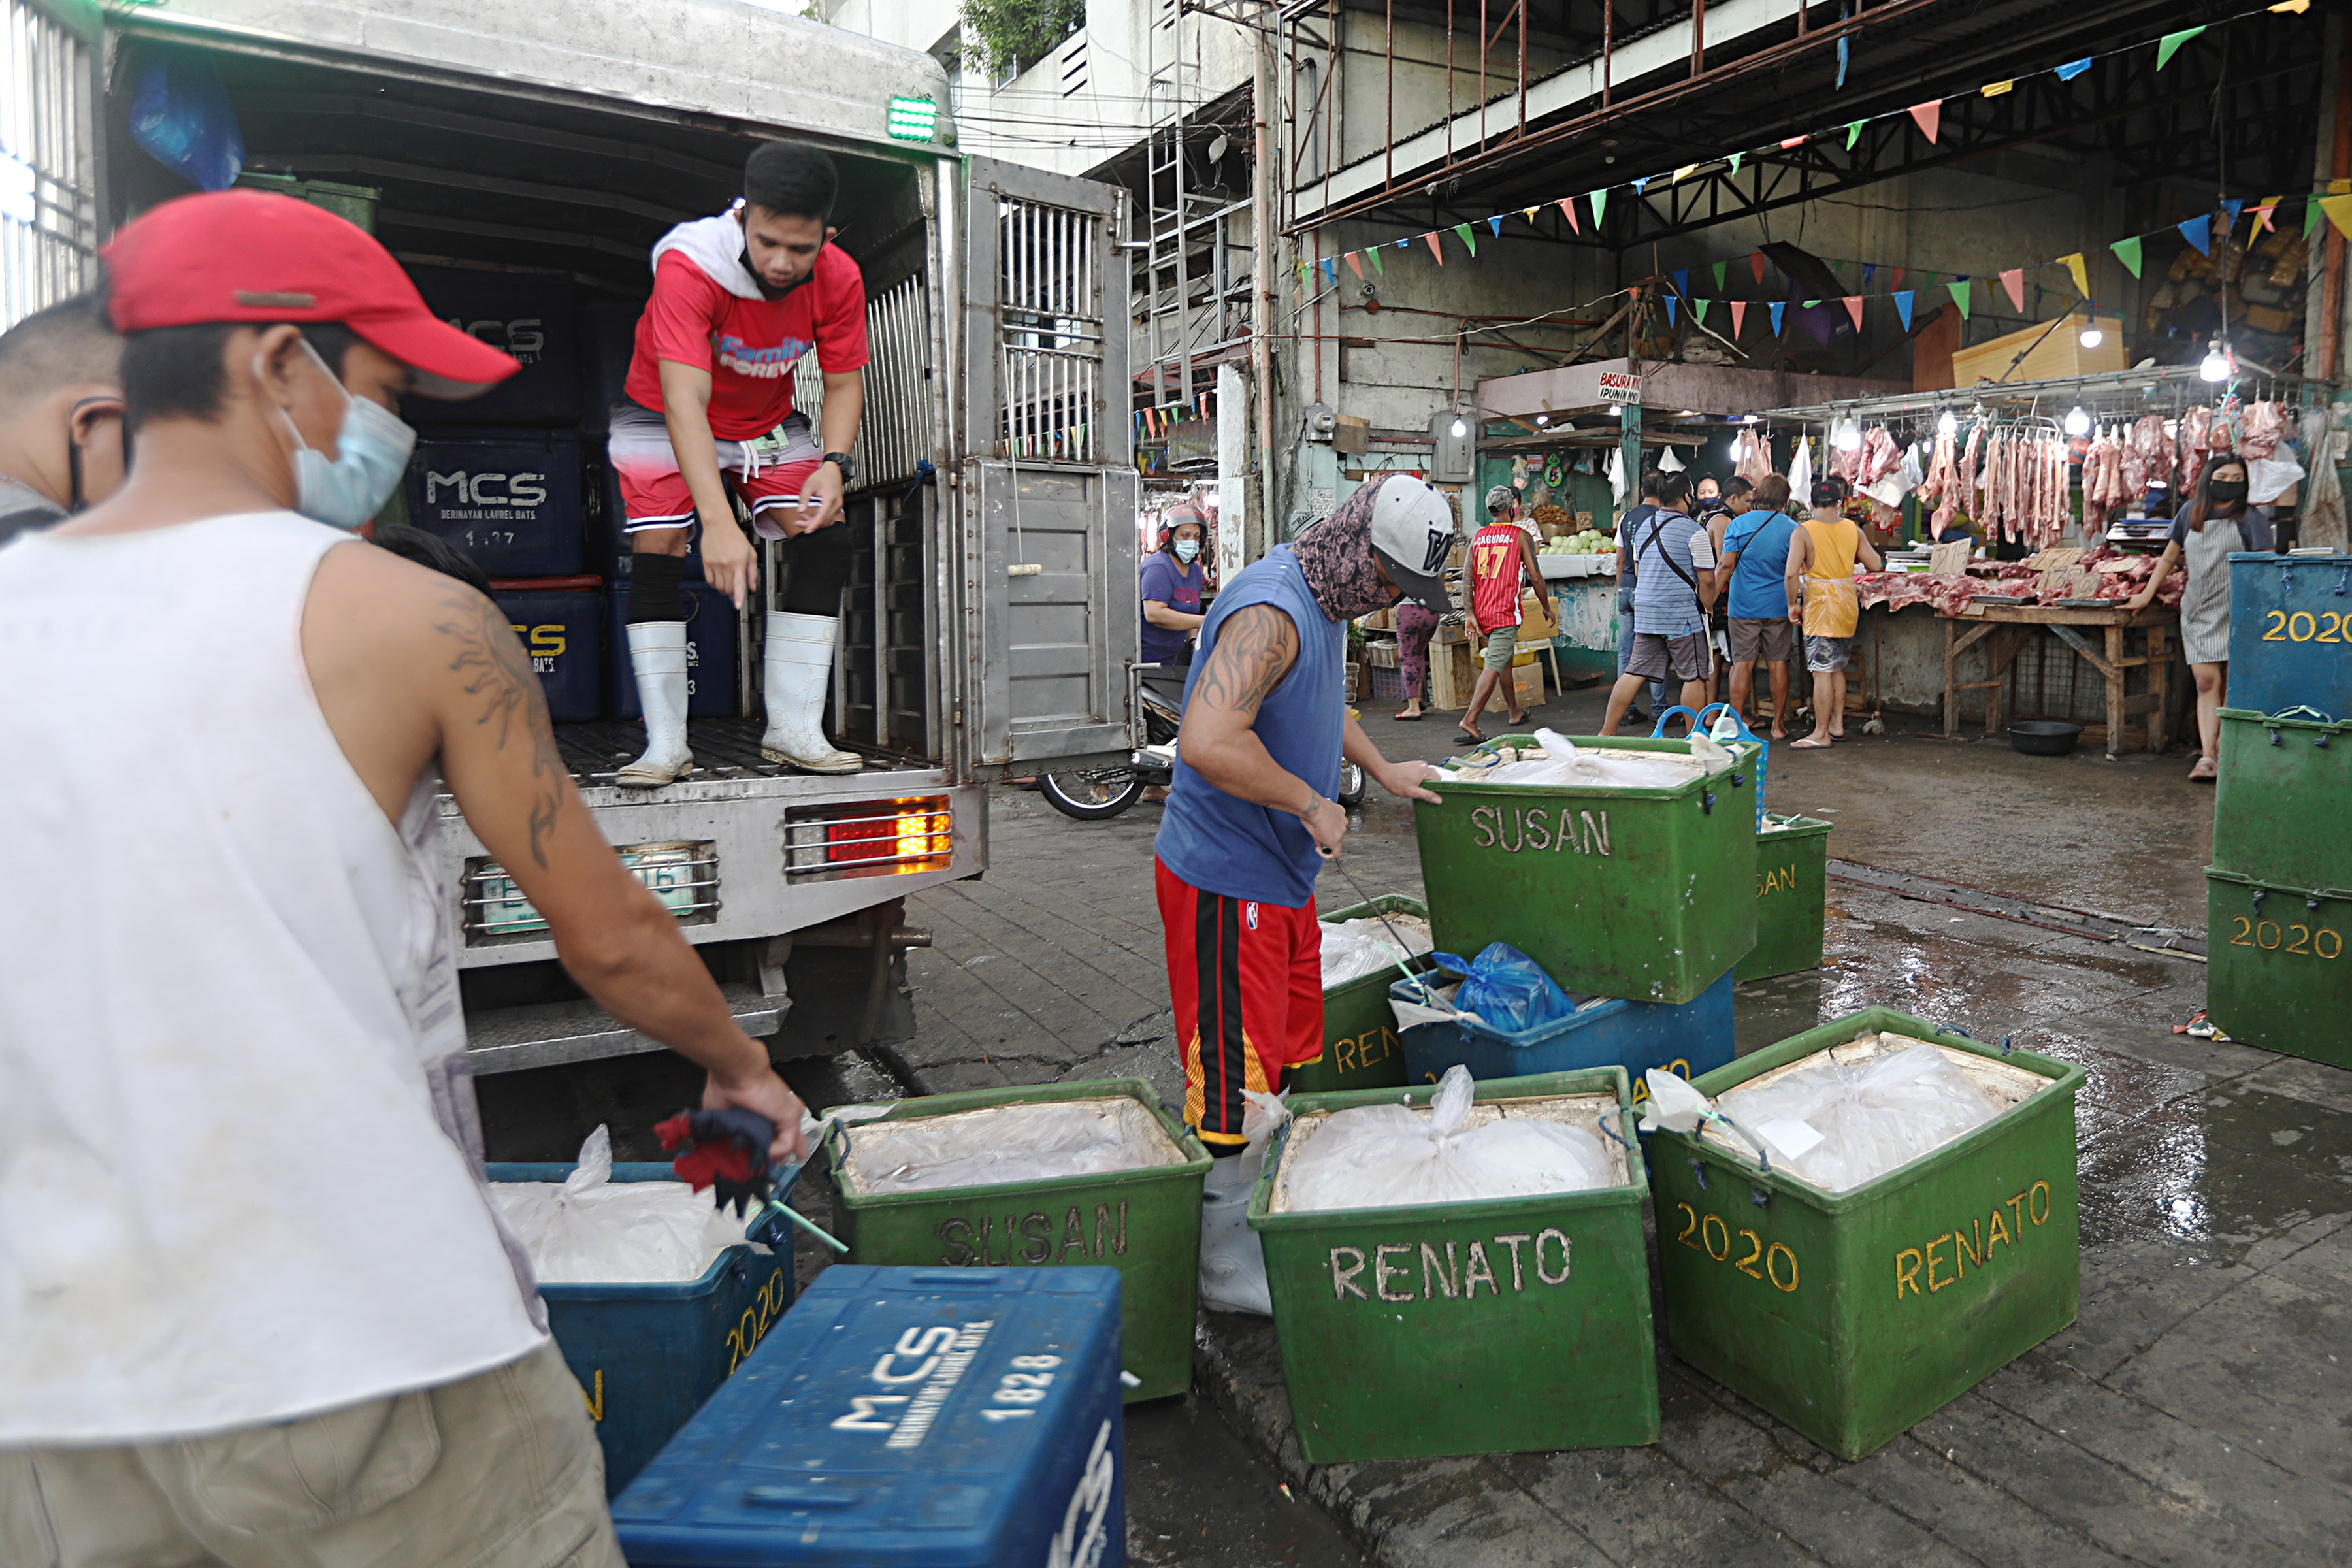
x=1527 y=683
x=1539 y=617
x=1452 y=671
x=2048 y=354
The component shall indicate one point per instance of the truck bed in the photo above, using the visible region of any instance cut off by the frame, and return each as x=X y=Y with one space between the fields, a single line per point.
x=723 y=749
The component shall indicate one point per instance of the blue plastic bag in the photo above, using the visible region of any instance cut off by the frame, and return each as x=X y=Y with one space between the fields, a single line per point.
x=181 y=116
x=1507 y=990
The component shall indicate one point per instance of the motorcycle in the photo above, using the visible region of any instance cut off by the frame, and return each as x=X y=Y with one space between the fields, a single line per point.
x=1156 y=696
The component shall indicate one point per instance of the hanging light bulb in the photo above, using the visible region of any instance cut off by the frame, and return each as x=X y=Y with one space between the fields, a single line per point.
x=2078 y=423
x=1542 y=420
x=1947 y=423
x=2092 y=337
x=1460 y=427
x=2216 y=365
x=1847 y=438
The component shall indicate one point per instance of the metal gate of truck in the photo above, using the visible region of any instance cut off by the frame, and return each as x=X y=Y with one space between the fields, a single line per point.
x=1048 y=481
x=49 y=157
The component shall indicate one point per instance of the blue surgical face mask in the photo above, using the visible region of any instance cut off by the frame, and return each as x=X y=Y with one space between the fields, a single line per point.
x=1188 y=551
x=372 y=446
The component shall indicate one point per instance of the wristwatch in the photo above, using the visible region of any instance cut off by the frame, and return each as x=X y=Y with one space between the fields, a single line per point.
x=841 y=460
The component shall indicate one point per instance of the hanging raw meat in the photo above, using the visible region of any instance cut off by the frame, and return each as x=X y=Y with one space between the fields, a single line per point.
x=1845 y=461
x=2194 y=427
x=2266 y=423
x=2147 y=455
x=2094 y=489
x=1966 y=496
x=1750 y=459
x=1880 y=456
x=1941 y=488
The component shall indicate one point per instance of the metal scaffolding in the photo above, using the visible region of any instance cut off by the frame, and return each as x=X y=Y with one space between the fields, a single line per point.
x=1193 y=291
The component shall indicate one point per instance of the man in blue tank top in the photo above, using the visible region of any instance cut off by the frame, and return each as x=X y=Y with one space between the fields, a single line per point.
x=1250 y=821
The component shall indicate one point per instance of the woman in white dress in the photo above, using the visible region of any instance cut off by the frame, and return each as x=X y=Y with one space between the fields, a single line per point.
x=2217 y=522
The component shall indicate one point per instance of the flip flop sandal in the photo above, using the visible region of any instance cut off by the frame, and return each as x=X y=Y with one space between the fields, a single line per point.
x=1809 y=744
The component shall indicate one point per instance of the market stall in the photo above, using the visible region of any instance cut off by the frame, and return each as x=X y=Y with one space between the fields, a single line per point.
x=2050 y=500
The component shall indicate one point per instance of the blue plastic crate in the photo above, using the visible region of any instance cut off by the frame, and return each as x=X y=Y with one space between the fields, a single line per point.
x=608 y=340
x=1687 y=1038
x=2290 y=633
x=531 y=315
x=713 y=644
x=508 y=498
x=562 y=630
x=648 y=1355
x=906 y=1418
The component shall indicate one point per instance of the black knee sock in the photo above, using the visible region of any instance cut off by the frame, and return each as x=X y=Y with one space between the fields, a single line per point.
x=654 y=591
x=814 y=568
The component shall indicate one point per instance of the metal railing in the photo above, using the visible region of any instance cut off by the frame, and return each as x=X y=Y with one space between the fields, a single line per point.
x=1050 y=329
x=896 y=433
x=48 y=166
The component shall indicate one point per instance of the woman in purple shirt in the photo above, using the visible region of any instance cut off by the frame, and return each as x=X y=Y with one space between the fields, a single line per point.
x=1171 y=589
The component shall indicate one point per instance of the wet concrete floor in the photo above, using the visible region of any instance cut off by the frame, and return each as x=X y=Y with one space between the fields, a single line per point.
x=2198 y=1411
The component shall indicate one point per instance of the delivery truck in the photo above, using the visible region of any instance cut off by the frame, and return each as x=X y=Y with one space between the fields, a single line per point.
x=521 y=160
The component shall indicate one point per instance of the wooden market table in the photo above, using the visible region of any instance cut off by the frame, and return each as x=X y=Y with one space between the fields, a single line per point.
x=2009 y=626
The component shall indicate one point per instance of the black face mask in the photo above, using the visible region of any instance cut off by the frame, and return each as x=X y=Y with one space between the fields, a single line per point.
x=2227 y=492
x=767 y=293
x=75 y=499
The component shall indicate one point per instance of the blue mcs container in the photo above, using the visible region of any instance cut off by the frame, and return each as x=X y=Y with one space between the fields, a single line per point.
x=906 y=1418
x=712 y=641
x=2290 y=633
x=648 y=1355
x=531 y=315
x=561 y=625
x=509 y=498
x=1687 y=1038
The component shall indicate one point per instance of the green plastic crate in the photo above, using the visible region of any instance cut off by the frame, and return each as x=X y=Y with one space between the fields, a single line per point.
x=1793 y=880
x=1853 y=1316
x=1643 y=893
x=356 y=202
x=1146 y=1223
x=1503 y=1326
x=2276 y=973
x=2284 y=798
x=1360 y=1049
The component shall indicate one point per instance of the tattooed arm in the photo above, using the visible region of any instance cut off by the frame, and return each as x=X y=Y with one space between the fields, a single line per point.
x=1255 y=647
x=408 y=664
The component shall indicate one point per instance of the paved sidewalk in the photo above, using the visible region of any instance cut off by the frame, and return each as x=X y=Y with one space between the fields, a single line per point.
x=2197 y=1414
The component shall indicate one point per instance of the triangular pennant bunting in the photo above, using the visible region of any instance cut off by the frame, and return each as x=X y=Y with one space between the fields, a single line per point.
x=1959 y=292
x=1433 y=250
x=1720 y=269
x=1903 y=308
x=1600 y=205
x=2073 y=68
x=1378 y=264
x=1354 y=265
x=1643 y=181
x=2127 y=252
x=1671 y=302
x=2014 y=281
x=1756 y=263
x=1929 y=118
x=2233 y=206
x=2264 y=210
x=1568 y=210
x=1793 y=141
x=1779 y=308
x=1530 y=214
x=1854 y=129
x=1496 y=224
x=1735 y=161
x=2312 y=219
x=1853 y=308
x=1330 y=270
x=2339 y=213
x=1467 y=238
x=1739 y=316
x=2169 y=45
x=1685 y=173
x=1698 y=310
x=1895 y=281
x=1682 y=280
x=1995 y=88
x=2081 y=273
x=1867 y=268
x=2198 y=232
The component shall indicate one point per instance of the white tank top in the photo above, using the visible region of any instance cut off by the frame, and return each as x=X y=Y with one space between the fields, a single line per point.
x=240 y=1170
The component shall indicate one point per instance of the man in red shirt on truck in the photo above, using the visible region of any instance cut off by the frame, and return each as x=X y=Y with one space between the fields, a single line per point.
x=707 y=407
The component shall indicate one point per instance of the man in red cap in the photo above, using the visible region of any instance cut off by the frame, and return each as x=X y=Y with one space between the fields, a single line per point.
x=254 y=1305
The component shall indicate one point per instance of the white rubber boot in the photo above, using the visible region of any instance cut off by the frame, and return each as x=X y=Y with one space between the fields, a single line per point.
x=1232 y=1264
x=799 y=671
x=657 y=654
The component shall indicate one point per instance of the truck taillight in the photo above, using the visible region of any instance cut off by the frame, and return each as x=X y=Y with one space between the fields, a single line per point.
x=871 y=838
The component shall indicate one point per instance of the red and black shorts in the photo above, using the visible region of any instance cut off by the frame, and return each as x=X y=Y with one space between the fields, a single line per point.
x=1246 y=978
x=768 y=474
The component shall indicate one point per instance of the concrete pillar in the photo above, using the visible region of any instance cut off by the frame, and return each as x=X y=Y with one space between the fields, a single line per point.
x=1233 y=469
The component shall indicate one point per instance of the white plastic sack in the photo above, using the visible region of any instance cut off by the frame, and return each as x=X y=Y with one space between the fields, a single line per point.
x=1565 y=763
x=2267 y=478
x=1388 y=1156
x=589 y=1229
x=1002 y=1144
x=1353 y=949
x=1672 y=1104
x=1838 y=1126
